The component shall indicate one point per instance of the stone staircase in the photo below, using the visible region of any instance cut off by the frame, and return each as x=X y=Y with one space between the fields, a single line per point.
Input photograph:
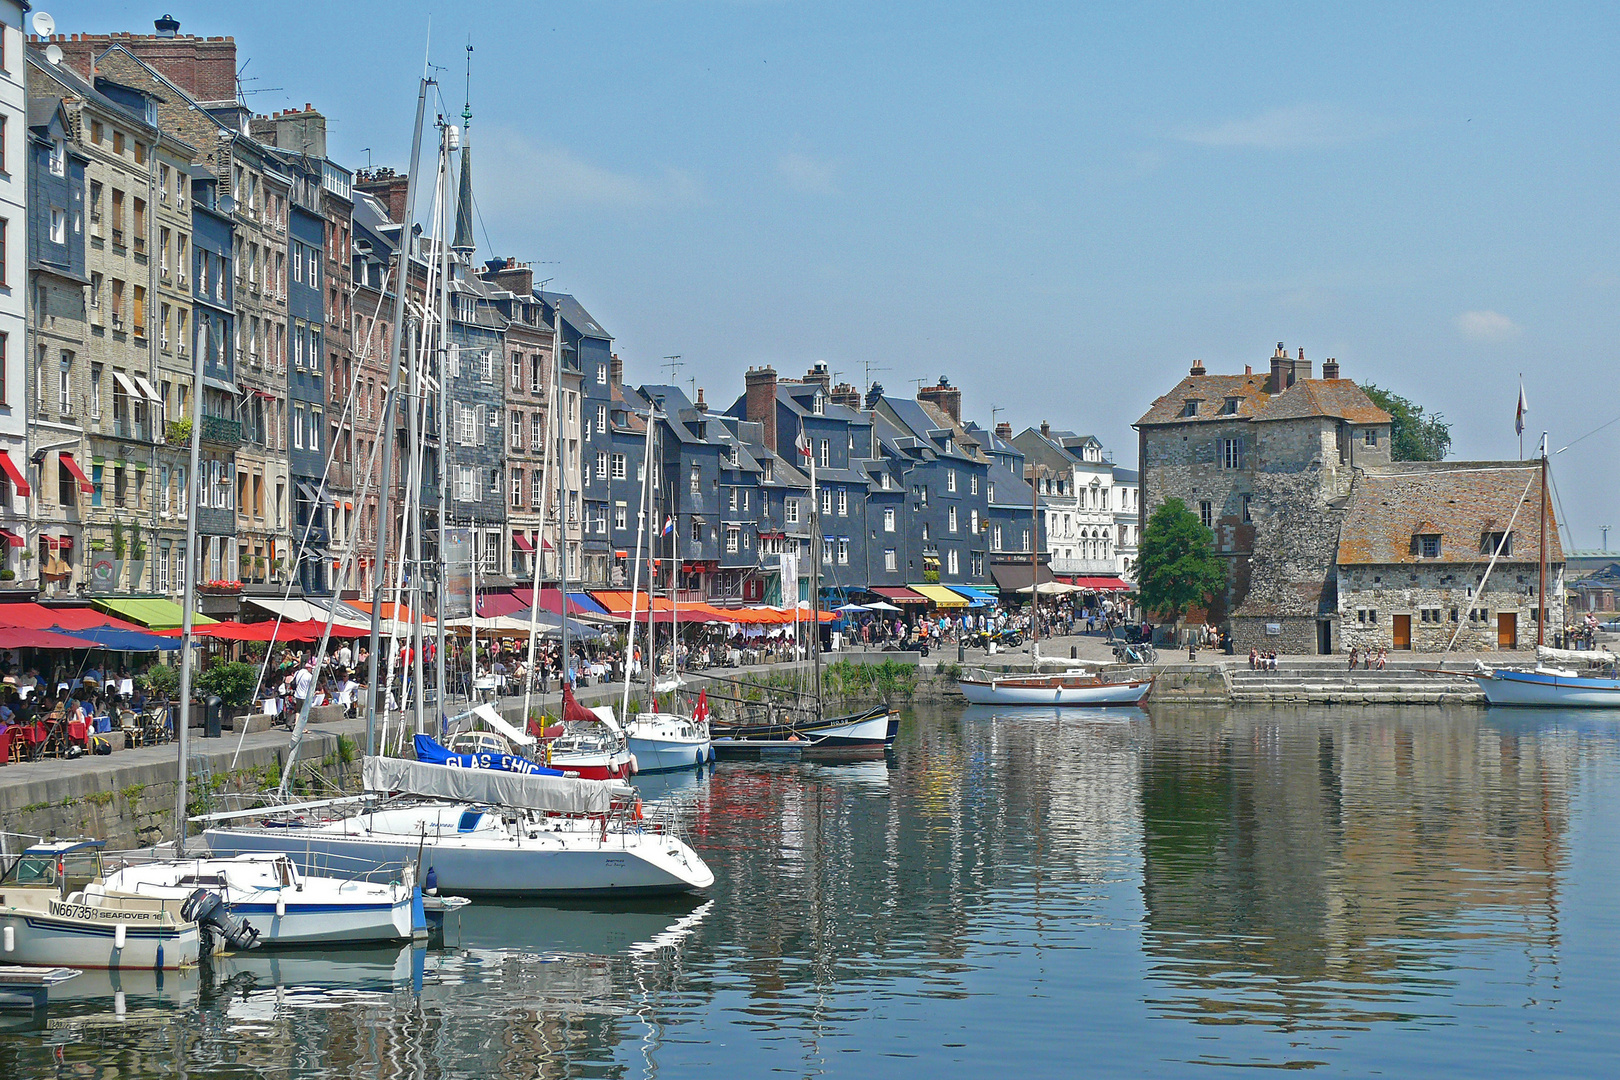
x=1330 y=682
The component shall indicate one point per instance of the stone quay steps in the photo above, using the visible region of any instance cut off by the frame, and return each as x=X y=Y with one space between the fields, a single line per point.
x=1333 y=683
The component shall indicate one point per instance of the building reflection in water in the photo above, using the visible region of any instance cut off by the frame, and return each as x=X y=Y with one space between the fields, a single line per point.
x=1314 y=868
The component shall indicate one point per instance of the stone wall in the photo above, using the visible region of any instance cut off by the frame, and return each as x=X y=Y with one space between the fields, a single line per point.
x=1440 y=597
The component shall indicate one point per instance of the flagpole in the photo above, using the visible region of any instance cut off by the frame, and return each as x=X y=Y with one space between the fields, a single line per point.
x=1518 y=422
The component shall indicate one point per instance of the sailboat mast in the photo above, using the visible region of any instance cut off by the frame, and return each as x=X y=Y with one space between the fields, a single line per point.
x=443 y=425
x=384 y=513
x=562 y=494
x=635 y=573
x=1541 y=551
x=815 y=574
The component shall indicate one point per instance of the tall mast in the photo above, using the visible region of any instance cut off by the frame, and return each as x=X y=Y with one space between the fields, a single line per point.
x=635 y=573
x=815 y=573
x=443 y=459
x=189 y=599
x=1541 y=585
x=385 y=514
x=562 y=491
x=1034 y=559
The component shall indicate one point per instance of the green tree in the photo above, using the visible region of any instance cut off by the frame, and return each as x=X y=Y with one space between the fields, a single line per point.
x=1413 y=435
x=1177 y=567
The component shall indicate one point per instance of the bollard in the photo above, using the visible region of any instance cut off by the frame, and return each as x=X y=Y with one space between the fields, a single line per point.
x=961 y=653
x=213 y=711
x=1074 y=652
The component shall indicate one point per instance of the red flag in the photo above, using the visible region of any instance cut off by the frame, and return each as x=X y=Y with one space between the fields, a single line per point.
x=700 y=712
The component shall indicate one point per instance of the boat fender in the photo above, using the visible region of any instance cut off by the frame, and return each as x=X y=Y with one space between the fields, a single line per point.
x=11 y=939
x=430 y=882
x=638 y=809
x=119 y=936
x=635 y=766
x=281 y=906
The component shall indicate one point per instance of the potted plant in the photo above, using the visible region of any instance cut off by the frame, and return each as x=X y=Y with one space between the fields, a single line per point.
x=179 y=432
x=119 y=549
x=234 y=683
x=278 y=566
x=137 y=558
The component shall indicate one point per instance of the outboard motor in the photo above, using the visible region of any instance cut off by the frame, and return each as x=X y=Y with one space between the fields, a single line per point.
x=213 y=916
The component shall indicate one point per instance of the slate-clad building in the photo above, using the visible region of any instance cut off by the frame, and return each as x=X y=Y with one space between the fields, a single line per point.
x=307 y=376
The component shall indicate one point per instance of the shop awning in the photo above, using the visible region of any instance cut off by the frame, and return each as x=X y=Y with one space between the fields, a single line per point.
x=941 y=596
x=521 y=542
x=106 y=637
x=618 y=603
x=898 y=594
x=12 y=538
x=584 y=601
x=146 y=388
x=1010 y=577
x=78 y=474
x=293 y=610
x=493 y=604
x=1100 y=584
x=69 y=619
x=14 y=471
x=974 y=593
x=154 y=612
x=20 y=637
x=222 y=384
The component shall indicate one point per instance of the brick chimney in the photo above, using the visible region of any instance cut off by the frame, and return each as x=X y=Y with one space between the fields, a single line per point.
x=1330 y=368
x=1004 y=431
x=616 y=370
x=874 y=395
x=819 y=375
x=301 y=131
x=1046 y=430
x=387 y=186
x=205 y=68
x=846 y=395
x=700 y=405
x=947 y=397
x=1197 y=367
x=511 y=275
x=759 y=402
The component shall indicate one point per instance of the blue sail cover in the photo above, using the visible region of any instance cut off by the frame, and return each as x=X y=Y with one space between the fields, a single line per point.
x=431 y=752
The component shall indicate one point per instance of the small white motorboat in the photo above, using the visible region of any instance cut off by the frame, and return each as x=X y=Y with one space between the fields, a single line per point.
x=665 y=742
x=47 y=919
x=1075 y=687
x=286 y=906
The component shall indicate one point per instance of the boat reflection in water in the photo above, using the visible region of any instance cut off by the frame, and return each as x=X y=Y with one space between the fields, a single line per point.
x=1067 y=714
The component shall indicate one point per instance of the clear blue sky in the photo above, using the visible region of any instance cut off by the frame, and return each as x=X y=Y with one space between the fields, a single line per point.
x=1059 y=207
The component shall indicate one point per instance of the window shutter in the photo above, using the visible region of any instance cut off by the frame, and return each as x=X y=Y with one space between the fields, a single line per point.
x=478 y=424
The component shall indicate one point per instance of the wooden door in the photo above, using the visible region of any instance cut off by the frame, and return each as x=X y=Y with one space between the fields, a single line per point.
x=1403 y=631
x=1507 y=630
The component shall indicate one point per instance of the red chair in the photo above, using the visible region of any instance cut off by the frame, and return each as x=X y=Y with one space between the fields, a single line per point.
x=78 y=733
x=5 y=745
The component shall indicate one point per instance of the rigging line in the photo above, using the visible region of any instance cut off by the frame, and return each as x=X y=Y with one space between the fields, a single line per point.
x=1588 y=435
x=1562 y=522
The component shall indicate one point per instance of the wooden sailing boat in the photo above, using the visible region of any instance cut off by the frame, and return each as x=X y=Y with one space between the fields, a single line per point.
x=799 y=726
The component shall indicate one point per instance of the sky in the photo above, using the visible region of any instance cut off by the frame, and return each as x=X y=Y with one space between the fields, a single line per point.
x=1058 y=207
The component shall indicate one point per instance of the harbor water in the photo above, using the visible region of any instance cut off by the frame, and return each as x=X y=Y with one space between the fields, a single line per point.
x=1353 y=891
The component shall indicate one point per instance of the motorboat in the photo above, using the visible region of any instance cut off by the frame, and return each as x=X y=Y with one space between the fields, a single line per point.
x=286 y=905
x=1074 y=687
x=665 y=742
x=47 y=919
x=479 y=832
x=868 y=734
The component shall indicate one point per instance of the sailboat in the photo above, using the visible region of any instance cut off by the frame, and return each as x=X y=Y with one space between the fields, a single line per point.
x=793 y=724
x=659 y=740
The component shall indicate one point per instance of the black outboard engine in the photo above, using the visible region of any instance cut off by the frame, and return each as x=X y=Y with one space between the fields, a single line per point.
x=213 y=916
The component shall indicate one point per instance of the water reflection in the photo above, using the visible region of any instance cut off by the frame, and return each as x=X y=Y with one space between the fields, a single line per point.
x=1210 y=886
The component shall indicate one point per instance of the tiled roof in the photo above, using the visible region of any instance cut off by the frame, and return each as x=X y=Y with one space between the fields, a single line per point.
x=1341 y=399
x=1460 y=500
x=1212 y=390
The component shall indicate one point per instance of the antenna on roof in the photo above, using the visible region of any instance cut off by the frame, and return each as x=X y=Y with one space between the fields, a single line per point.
x=871 y=367
x=673 y=362
x=995 y=411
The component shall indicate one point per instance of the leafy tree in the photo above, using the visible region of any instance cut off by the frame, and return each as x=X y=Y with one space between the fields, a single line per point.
x=1413 y=435
x=234 y=682
x=1177 y=567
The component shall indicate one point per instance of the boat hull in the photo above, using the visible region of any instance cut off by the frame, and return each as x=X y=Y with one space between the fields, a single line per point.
x=78 y=936
x=1053 y=690
x=574 y=863
x=669 y=755
x=1545 y=690
x=868 y=735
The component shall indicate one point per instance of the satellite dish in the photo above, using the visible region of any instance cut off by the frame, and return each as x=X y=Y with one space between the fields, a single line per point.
x=53 y=54
x=227 y=204
x=44 y=25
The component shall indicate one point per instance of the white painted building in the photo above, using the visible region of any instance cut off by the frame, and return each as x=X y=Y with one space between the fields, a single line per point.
x=1083 y=505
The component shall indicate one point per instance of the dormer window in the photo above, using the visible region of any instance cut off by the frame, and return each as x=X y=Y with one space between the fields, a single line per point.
x=1231 y=406
x=1428 y=545
x=1490 y=542
x=1191 y=408
x=818 y=404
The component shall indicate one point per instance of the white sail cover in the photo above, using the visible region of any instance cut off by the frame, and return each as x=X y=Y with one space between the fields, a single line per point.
x=515 y=736
x=558 y=794
x=1568 y=656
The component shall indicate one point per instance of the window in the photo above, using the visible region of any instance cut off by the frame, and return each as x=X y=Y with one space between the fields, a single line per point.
x=843 y=551
x=827 y=550
x=466 y=484
x=925 y=530
x=890 y=563
x=1369 y=437
x=732 y=498
x=697 y=478
x=619 y=470
x=1231 y=453
x=973 y=522
x=58 y=226
x=1493 y=540
x=1206 y=514
x=951 y=564
x=888 y=519
x=995 y=538
x=3 y=281
x=1231 y=406
x=58 y=157
x=697 y=530
x=951 y=519
x=843 y=503
x=1429 y=546
x=973 y=484
x=95 y=391
x=1190 y=408
x=826 y=501
x=790 y=511
x=517 y=487
x=733 y=536
x=517 y=430
x=601 y=418
x=621 y=516
x=950 y=479
x=1244 y=502
x=602 y=374
x=826 y=455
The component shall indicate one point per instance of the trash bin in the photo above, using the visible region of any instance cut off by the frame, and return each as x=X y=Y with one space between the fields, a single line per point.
x=1074 y=652
x=213 y=716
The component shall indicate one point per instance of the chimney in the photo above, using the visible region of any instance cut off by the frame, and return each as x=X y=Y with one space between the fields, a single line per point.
x=167 y=27
x=1046 y=429
x=846 y=395
x=819 y=375
x=700 y=405
x=388 y=187
x=511 y=275
x=1278 y=380
x=874 y=395
x=1248 y=369
x=1197 y=367
x=616 y=370
x=1330 y=368
x=946 y=397
x=1004 y=431
x=759 y=402
x=205 y=68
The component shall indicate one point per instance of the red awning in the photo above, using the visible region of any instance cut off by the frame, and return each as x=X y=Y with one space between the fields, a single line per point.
x=493 y=605
x=69 y=619
x=899 y=594
x=50 y=541
x=522 y=542
x=1101 y=584
x=64 y=542
x=78 y=474
x=12 y=538
x=14 y=472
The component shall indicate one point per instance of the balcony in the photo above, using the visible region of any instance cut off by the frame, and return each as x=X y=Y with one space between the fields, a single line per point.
x=1085 y=567
x=220 y=431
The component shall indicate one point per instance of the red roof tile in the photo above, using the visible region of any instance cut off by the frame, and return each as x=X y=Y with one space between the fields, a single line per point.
x=1460 y=500
x=1341 y=399
x=1212 y=391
